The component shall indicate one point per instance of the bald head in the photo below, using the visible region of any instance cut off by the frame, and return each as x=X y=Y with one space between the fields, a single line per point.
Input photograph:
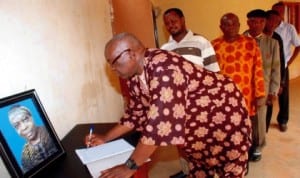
x=230 y=26
x=119 y=43
x=125 y=54
x=229 y=17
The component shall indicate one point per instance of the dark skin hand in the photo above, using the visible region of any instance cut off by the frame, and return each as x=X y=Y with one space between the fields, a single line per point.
x=93 y=140
x=120 y=171
x=270 y=99
x=98 y=139
x=140 y=154
x=280 y=89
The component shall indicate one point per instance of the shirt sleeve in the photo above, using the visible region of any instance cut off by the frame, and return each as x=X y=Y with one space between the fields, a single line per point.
x=275 y=71
x=135 y=113
x=295 y=37
x=259 y=74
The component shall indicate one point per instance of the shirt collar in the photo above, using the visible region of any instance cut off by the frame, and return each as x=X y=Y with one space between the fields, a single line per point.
x=257 y=37
x=186 y=37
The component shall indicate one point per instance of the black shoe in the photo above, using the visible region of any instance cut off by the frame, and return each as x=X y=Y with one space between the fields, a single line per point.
x=255 y=156
x=179 y=175
x=282 y=127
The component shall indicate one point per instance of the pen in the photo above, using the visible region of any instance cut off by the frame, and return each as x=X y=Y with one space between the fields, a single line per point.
x=90 y=137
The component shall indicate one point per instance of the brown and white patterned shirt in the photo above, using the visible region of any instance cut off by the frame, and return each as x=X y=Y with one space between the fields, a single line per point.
x=179 y=103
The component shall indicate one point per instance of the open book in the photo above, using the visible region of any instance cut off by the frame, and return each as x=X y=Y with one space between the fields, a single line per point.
x=105 y=156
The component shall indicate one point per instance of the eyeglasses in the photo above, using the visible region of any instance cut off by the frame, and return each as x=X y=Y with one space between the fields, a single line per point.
x=118 y=56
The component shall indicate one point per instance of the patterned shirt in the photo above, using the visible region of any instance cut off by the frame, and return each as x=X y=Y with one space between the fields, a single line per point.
x=32 y=155
x=289 y=37
x=241 y=60
x=176 y=102
x=196 y=49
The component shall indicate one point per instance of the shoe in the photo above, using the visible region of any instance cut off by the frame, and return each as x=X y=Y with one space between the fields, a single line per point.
x=179 y=175
x=282 y=127
x=256 y=156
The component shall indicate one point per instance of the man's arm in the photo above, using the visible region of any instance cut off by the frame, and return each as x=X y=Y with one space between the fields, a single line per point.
x=138 y=157
x=97 y=139
x=295 y=54
x=116 y=132
x=275 y=71
x=142 y=152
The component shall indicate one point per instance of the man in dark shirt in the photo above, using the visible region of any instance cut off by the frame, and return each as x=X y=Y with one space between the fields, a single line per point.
x=269 y=30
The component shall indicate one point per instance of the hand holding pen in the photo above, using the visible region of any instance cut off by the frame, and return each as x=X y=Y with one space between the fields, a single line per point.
x=92 y=139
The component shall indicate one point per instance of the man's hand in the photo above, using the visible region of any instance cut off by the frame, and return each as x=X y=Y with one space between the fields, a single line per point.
x=120 y=171
x=260 y=102
x=270 y=99
x=280 y=89
x=94 y=140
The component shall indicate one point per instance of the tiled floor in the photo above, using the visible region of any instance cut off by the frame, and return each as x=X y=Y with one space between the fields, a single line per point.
x=280 y=156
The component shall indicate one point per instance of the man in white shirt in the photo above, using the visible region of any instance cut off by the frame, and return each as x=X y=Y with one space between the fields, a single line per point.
x=290 y=39
x=193 y=47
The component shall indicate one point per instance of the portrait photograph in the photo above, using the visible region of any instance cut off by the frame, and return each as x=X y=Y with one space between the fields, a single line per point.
x=28 y=140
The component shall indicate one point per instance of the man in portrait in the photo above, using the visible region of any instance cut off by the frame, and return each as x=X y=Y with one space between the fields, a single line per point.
x=39 y=145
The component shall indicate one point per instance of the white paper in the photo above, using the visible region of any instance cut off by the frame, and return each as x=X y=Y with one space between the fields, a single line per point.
x=97 y=166
x=105 y=156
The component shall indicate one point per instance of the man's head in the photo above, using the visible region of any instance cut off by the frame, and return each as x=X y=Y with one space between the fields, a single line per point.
x=124 y=52
x=230 y=26
x=280 y=8
x=273 y=20
x=21 y=119
x=174 y=21
x=256 y=21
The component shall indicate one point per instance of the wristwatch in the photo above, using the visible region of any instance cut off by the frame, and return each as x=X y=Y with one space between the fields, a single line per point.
x=130 y=163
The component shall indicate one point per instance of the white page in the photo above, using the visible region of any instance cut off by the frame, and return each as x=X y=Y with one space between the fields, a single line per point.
x=88 y=155
x=97 y=166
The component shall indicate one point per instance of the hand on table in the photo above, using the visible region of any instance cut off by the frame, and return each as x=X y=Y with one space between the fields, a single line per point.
x=120 y=171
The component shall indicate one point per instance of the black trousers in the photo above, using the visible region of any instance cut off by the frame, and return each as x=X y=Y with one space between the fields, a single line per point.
x=255 y=135
x=283 y=102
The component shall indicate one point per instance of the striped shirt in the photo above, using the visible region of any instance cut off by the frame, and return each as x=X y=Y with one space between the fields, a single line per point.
x=196 y=49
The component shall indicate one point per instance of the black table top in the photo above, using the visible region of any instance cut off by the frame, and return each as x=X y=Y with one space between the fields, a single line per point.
x=70 y=166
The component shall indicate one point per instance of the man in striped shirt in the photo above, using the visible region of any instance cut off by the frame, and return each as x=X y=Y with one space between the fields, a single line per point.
x=193 y=47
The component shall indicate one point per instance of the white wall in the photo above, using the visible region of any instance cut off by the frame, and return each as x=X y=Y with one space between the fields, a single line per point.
x=56 y=47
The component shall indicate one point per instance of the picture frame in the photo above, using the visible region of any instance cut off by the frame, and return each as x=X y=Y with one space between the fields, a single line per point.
x=28 y=141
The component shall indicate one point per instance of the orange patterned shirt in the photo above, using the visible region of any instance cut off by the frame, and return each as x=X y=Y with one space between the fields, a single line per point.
x=241 y=60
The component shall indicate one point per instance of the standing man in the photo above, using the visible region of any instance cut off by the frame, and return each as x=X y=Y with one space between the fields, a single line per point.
x=269 y=30
x=240 y=58
x=290 y=39
x=175 y=102
x=269 y=49
x=193 y=47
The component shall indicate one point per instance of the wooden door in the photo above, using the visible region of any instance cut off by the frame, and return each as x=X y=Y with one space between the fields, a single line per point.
x=134 y=16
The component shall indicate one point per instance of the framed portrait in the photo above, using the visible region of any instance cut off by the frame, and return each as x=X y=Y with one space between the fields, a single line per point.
x=28 y=140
